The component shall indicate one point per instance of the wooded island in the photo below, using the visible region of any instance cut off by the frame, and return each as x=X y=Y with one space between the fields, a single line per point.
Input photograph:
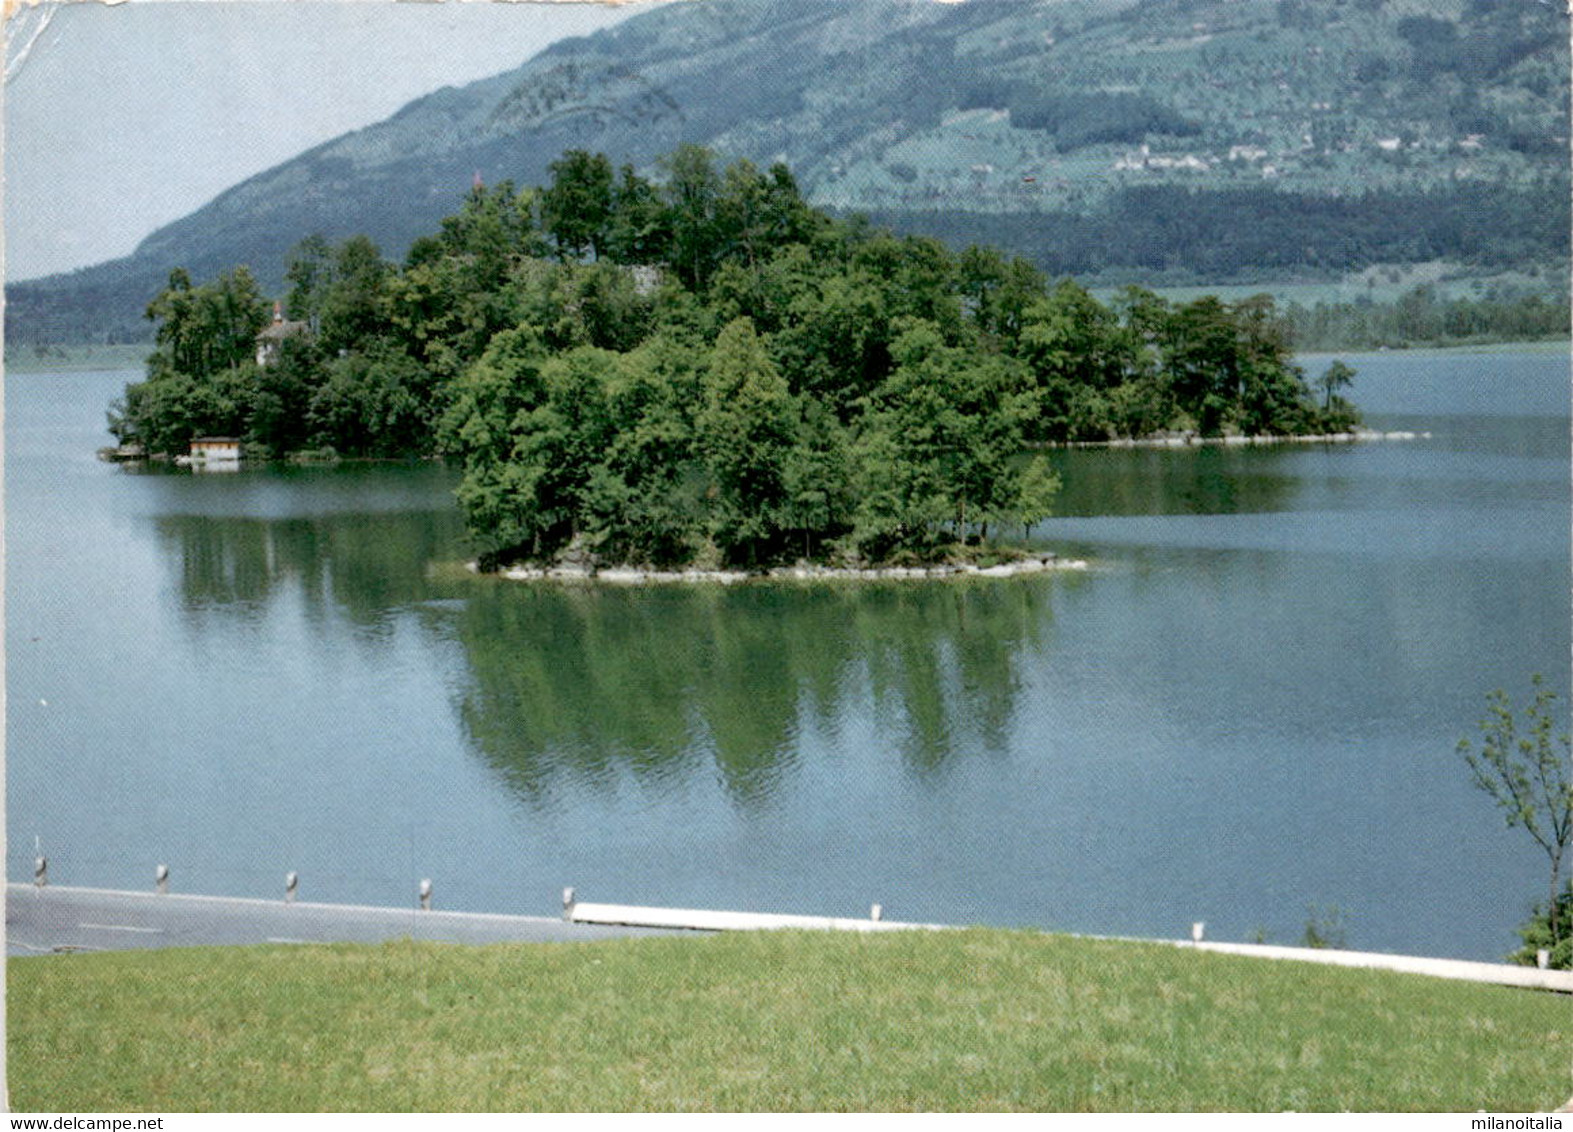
x=704 y=370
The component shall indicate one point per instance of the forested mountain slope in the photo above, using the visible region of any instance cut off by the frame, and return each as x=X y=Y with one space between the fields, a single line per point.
x=1214 y=139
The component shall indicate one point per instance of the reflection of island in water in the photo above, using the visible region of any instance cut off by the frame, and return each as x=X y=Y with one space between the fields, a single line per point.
x=572 y=687
x=1205 y=480
x=579 y=683
x=360 y=567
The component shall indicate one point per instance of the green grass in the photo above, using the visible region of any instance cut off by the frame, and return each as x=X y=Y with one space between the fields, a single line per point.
x=976 y=1020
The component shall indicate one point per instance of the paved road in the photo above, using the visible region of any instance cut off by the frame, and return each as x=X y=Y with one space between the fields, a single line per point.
x=52 y=920
x=55 y=919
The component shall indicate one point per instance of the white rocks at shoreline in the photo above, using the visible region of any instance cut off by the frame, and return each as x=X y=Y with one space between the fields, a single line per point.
x=1191 y=439
x=803 y=572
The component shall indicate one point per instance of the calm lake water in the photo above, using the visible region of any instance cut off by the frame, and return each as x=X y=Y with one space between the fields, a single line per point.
x=1249 y=706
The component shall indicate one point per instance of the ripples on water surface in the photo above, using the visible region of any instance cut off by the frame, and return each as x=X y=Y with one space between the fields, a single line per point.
x=1249 y=706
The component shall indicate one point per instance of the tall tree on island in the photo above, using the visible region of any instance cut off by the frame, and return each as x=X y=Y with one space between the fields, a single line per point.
x=745 y=430
x=692 y=191
x=209 y=328
x=576 y=209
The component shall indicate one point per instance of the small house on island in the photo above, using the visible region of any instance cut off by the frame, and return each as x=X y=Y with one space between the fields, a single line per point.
x=270 y=343
x=214 y=450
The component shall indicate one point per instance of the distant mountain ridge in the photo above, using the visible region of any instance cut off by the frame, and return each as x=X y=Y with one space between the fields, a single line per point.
x=1219 y=138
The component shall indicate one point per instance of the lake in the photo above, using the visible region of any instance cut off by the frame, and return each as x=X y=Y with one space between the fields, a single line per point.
x=1247 y=708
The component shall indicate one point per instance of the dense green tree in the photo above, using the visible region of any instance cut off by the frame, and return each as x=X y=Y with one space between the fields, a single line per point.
x=576 y=209
x=1199 y=344
x=494 y=229
x=588 y=305
x=788 y=217
x=998 y=291
x=899 y=510
x=692 y=191
x=744 y=431
x=202 y=374
x=557 y=443
x=280 y=419
x=1073 y=346
x=205 y=329
x=163 y=414
x=816 y=480
x=759 y=214
x=1273 y=398
x=916 y=276
x=835 y=344
x=373 y=403
x=742 y=215
x=645 y=497
x=442 y=315
x=639 y=230
x=351 y=308
x=1029 y=496
x=477 y=430
x=947 y=427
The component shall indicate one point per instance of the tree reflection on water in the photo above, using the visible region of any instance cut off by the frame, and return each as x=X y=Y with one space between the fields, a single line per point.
x=583 y=684
x=575 y=686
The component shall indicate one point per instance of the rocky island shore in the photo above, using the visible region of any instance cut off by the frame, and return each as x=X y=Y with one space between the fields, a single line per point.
x=1190 y=439
x=581 y=570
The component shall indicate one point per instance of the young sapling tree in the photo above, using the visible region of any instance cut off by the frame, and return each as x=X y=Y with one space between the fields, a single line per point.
x=1528 y=772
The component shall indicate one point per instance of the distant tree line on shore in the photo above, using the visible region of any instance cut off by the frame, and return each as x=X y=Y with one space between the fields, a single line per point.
x=1422 y=317
x=704 y=369
x=1267 y=232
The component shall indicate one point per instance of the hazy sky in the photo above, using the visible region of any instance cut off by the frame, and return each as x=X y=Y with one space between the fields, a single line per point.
x=119 y=119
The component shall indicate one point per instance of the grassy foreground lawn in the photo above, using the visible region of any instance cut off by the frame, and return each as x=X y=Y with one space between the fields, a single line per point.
x=983 y=1020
